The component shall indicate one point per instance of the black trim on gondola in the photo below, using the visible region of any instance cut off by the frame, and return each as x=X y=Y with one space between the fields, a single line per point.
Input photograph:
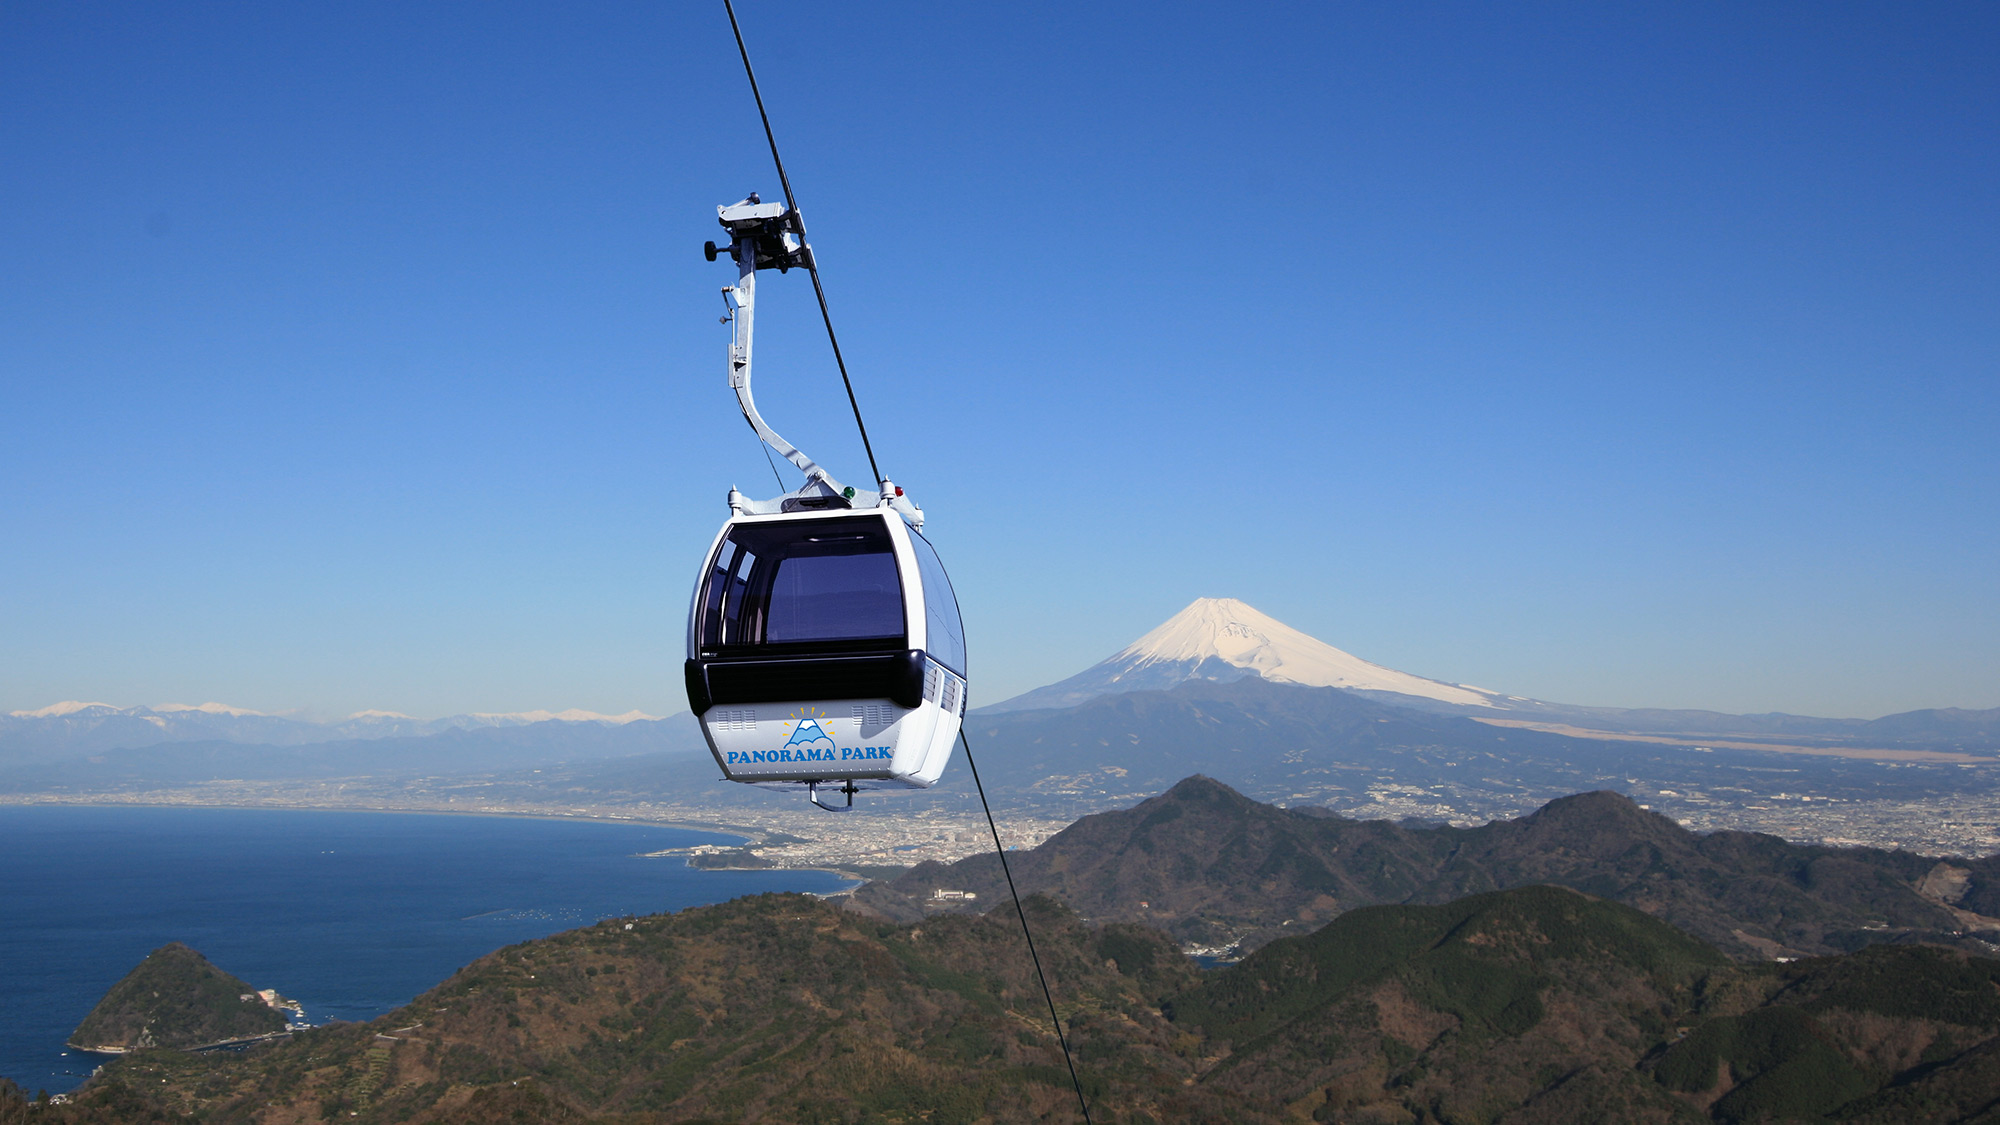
x=898 y=677
x=789 y=650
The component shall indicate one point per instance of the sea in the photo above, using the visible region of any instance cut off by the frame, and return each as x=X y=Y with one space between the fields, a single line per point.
x=352 y=914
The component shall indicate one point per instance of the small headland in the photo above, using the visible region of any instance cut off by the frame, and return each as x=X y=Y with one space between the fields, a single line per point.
x=177 y=999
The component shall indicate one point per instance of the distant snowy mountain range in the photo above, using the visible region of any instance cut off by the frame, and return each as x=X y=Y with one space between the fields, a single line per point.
x=1213 y=640
x=76 y=727
x=364 y=718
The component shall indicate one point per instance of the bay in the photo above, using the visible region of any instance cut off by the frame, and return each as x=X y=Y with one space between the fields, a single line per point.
x=350 y=913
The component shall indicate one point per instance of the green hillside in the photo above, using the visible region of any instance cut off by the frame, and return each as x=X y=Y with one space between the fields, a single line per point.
x=773 y=1008
x=1536 y=1004
x=175 y=998
x=1215 y=868
x=1466 y=1011
x=1484 y=959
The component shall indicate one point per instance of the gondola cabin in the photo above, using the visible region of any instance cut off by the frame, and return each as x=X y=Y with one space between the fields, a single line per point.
x=826 y=647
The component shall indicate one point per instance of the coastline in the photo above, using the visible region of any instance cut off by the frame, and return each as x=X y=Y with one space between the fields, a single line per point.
x=156 y=799
x=110 y=1050
x=742 y=837
x=779 y=832
x=353 y=915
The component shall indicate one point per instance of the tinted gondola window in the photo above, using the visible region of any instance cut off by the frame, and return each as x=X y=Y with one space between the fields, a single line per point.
x=812 y=583
x=947 y=632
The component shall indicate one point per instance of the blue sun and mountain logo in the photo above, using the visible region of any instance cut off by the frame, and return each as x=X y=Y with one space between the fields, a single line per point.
x=808 y=734
x=811 y=741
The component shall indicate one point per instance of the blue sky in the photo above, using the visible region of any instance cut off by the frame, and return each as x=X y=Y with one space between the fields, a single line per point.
x=1644 y=355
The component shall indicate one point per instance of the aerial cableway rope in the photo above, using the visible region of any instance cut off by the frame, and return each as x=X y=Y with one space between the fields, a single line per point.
x=1025 y=932
x=812 y=267
x=826 y=318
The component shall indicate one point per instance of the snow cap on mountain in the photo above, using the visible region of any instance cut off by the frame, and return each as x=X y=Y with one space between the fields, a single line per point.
x=1228 y=630
x=573 y=715
x=206 y=709
x=54 y=710
x=1221 y=639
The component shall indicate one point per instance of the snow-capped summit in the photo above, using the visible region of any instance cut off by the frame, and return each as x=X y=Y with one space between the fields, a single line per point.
x=56 y=710
x=1228 y=630
x=1224 y=639
x=207 y=709
x=73 y=726
x=573 y=715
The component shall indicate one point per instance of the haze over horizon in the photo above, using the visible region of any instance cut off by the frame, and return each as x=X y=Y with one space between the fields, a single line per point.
x=1224 y=629
x=366 y=359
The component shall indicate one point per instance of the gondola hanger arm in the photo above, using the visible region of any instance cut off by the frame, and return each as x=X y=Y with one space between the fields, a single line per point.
x=772 y=236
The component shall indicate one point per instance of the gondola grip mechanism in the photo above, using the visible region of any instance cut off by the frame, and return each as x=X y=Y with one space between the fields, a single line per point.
x=763 y=236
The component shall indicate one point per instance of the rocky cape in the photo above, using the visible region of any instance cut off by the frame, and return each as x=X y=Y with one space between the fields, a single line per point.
x=176 y=998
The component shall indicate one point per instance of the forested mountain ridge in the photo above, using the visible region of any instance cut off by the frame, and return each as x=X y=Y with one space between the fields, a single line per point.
x=1546 y=1005
x=772 y=1008
x=1217 y=869
x=1531 y=1005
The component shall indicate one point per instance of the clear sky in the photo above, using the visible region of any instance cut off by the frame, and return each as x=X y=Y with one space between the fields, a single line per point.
x=363 y=355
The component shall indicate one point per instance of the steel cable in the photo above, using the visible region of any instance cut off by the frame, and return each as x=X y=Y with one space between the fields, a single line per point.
x=1008 y=871
x=813 y=265
x=826 y=317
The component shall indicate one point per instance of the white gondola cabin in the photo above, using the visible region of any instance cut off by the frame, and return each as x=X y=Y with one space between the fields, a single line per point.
x=824 y=644
x=826 y=647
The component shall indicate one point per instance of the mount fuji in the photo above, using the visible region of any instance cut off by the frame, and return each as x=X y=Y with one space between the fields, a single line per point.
x=1222 y=639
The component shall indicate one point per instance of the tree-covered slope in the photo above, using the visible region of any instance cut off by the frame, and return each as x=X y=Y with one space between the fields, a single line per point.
x=1465 y=1011
x=1546 y=1005
x=774 y=1008
x=175 y=998
x=1530 y=1005
x=1214 y=867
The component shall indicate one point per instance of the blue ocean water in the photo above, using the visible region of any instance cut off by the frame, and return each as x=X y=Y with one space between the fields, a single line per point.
x=349 y=913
